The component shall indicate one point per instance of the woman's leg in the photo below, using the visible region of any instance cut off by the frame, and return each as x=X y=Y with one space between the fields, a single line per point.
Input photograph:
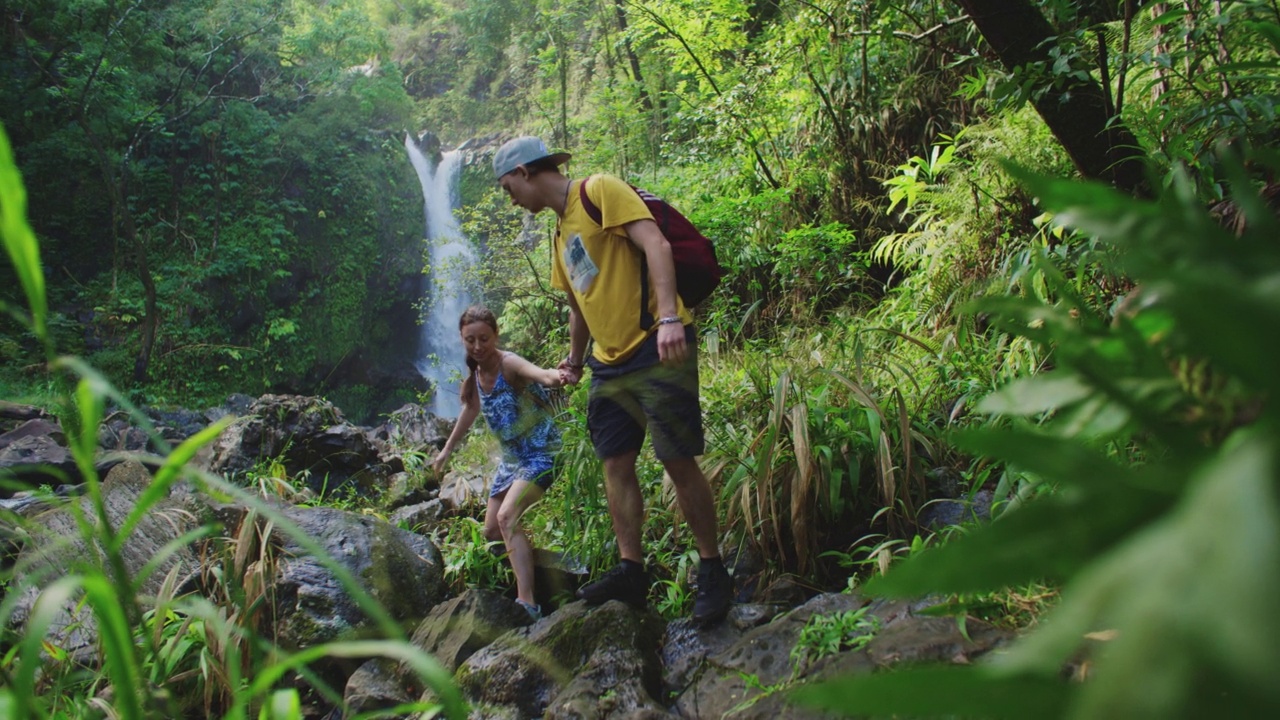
x=518 y=498
x=491 y=530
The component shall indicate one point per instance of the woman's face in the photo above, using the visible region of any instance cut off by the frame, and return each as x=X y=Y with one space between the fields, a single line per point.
x=480 y=340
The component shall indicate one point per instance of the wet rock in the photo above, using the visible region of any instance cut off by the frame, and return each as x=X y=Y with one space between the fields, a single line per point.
x=577 y=663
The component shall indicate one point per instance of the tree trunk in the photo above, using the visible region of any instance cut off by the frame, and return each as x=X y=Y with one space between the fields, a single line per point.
x=1075 y=110
x=632 y=59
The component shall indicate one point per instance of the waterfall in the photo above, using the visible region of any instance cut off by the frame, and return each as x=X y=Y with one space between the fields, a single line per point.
x=442 y=359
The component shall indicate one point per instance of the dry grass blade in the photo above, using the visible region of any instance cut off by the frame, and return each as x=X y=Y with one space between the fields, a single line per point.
x=164 y=598
x=888 y=479
x=244 y=543
x=802 y=492
x=904 y=433
x=770 y=482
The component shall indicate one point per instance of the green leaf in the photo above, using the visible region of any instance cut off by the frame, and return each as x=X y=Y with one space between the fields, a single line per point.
x=1069 y=462
x=116 y=635
x=1192 y=599
x=1036 y=394
x=939 y=692
x=20 y=242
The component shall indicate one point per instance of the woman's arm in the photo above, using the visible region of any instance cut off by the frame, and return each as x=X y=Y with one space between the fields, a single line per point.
x=514 y=366
x=466 y=418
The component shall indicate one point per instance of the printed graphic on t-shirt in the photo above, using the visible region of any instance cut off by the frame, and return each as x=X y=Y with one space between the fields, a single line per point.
x=582 y=269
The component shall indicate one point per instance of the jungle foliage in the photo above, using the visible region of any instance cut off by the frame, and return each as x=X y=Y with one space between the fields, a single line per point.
x=1033 y=261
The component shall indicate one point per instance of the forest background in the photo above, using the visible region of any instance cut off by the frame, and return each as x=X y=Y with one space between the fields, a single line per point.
x=922 y=298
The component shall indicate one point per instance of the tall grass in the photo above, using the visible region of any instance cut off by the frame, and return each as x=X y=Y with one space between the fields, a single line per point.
x=1164 y=525
x=218 y=642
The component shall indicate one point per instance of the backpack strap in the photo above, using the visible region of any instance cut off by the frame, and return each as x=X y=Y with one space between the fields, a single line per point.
x=587 y=205
x=646 y=318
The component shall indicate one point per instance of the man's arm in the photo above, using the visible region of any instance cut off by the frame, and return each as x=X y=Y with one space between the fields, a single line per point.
x=571 y=367
x=646 y=236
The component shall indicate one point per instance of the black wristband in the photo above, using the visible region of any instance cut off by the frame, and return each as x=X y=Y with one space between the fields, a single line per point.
x=572 y=365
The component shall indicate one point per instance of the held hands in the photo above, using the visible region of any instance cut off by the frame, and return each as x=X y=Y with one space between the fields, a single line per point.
x=569 y=374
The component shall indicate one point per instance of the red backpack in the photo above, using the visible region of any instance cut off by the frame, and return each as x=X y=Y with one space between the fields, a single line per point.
x=697 y=271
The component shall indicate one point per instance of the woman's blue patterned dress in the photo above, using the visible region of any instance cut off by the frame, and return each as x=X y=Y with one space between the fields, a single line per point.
x=526 y=431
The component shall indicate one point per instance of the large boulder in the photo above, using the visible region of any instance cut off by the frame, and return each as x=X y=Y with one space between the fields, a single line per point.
x=740 y=679
x=451 y=633
x=308 y=437
x=35 y=453
x=403 y=571
x=580 y=662
x=56 y=547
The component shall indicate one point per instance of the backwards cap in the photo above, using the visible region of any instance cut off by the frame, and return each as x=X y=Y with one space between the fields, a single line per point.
x=523 y=151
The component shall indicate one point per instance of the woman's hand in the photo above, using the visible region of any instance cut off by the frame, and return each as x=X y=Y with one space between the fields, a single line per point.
x=569 y=374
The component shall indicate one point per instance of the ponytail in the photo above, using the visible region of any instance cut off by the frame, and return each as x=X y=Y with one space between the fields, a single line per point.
x=469 y=385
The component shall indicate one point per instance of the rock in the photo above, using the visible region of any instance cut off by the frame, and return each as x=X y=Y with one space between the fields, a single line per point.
x=35 y=453
x=399 y=569
x=579 y=662
x=57 y=548
x=942 y=513
x=374 y=686
x=309 y=437
x=898 y=634
x=10 y=411
x=420 y=518
x=456 y=629
x=462 y=488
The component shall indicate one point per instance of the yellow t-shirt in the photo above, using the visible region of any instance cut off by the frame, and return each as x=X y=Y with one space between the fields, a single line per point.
x=601 y=267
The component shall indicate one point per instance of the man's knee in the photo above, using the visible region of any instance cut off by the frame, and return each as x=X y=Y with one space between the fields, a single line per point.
x=619 y=466
x=683 y=471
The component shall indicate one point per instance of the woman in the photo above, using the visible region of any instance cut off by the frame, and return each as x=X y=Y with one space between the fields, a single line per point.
x=512 y=394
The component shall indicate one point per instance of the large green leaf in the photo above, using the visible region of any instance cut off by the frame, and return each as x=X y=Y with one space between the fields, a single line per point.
x=1192 y=599
x=1037 y=394
x=1068 y=462
x=973 y=691
x=1050 y=538
x=19 y=241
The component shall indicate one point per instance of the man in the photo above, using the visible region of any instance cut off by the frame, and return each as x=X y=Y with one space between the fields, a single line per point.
x=620 y=280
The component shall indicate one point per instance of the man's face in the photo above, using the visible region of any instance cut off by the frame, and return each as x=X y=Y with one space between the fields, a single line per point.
x=518 y=188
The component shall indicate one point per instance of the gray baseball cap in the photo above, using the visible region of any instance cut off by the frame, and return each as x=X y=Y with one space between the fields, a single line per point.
x=522 y=151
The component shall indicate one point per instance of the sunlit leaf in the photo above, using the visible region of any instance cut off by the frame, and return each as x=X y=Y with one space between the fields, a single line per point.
x=1036 y=394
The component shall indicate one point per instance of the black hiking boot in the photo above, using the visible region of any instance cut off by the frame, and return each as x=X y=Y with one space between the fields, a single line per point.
x=628 y=583
x=715 y=593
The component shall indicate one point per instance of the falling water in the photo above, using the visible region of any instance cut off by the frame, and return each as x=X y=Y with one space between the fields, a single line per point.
x=441 y=359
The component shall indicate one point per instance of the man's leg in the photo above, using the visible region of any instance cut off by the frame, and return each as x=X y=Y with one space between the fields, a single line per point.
x=617 y=433
x=715 y=587
x=626 y=504
x=693 y=492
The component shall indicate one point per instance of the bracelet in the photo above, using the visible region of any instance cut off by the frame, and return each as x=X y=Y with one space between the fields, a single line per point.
x=573 y=365
x=670 y=320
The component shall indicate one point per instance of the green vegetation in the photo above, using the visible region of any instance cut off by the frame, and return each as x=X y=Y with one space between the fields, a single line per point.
x=1029 y=253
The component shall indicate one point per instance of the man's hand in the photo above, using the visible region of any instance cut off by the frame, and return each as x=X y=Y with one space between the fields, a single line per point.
x=672 y=349
x=569 y=374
